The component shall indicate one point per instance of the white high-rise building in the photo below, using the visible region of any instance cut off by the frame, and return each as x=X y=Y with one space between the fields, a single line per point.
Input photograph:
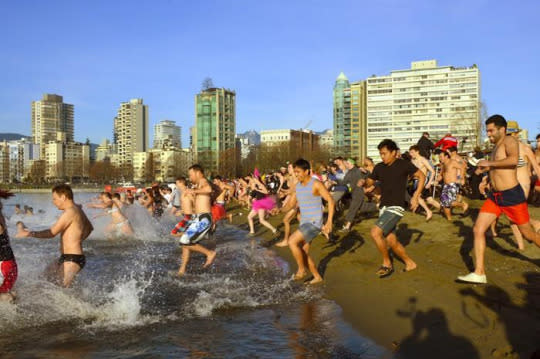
x=21 y=152
x=425 y=98
x=131 y=130
x=167 y=134
x=49 y=117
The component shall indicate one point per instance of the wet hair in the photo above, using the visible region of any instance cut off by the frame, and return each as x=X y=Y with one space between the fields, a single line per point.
x=452 y=149
x=389 y=144
x=497 y=120
x=197 y=168
x=116 y=196
x=181 y=180
x=63 y=189
x=302 y=164
x=414 y=148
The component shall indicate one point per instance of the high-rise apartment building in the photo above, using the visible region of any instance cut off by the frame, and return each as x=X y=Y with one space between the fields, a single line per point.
x=167 y=134
x=424 y=98
x=4 y=162
x=215 y=127
x=49 y=117
x=342 y=115
x=67 y=160
x=131 y=131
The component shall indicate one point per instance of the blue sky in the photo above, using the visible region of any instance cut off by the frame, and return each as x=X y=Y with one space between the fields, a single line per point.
x=281 y=57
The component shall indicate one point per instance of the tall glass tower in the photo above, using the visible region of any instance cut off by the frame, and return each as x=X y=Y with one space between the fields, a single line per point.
x=342 y=115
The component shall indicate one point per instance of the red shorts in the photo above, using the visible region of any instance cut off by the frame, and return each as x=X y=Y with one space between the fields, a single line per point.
x=218 y=212
x=518 y=213
x=9 y=272
x=537 y=183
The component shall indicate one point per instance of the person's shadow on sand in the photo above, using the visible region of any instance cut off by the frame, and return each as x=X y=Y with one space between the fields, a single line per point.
x=431 y=337
x=405 y=234
x=521 y=323
x=349 y=243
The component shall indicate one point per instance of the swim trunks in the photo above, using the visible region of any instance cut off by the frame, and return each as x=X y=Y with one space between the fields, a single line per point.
x=511 y=202
x=197 y=229
x=80 y=259
x=449 y=194
x=389 y=217
x=8 y=271
x=218 y=211
x=183 y=224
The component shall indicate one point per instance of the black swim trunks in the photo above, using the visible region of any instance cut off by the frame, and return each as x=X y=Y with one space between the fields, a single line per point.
x=80 y=259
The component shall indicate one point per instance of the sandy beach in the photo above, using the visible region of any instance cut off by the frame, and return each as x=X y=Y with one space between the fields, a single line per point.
x=425 y=313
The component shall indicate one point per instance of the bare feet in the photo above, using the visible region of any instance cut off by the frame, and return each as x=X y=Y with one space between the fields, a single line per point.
x=465 y=207
x=283 y=243
x=428 y=216
x=409 y=266
x=210 y=259
x=299 y=276
x=230 y=217
x=315 y=281
x=7 y=297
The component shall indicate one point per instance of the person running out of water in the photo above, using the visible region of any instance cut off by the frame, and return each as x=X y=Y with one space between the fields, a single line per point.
x=218 y=208
x=262 y=203
x=8 y=265
x=119 y=223
x=392 y=174
x=73 y=227
x=290 y=212
x=450 y=190
x=201 y=222
x=423 y=165
x=309 y=194
x=506 y=195
x=186 y=203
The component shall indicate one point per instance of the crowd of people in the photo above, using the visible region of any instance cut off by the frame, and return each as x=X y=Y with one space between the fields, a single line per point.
x=426 y=178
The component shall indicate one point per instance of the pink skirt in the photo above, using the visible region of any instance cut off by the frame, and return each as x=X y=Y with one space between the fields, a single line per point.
x=267 y=203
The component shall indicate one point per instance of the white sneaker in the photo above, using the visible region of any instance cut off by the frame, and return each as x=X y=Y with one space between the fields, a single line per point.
x=473 y=278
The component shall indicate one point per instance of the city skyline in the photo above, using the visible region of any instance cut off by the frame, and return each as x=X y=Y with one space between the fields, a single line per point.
x=280 y=69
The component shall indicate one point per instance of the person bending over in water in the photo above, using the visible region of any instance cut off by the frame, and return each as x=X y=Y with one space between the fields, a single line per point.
x=8 y=265
x=73 y=227
x=201 y=222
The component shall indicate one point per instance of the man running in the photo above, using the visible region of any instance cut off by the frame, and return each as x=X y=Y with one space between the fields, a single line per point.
x=225 y=191
x=73 y=227
x=201 y=222
x=506 y=195
x=423 y=165
x=450 y=190
x=393 y=173
x=308 y=194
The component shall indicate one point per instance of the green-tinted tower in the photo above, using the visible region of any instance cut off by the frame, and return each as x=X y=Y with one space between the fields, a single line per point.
x=342 y=115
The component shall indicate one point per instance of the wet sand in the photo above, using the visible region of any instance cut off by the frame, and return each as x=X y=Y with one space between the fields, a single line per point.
x=425 y=313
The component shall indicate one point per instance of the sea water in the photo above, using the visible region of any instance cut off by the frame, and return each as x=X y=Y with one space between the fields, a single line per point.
x=125 y=304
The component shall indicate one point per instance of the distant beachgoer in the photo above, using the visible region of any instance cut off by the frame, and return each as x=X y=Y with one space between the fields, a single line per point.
x=73 y=227
x=506 y=196
x=309 y=194
x=218 y=208
x=202 y=221
x=8 y=264
x=425 y=146
x=392 y=174
x=18 y=209
x=262 y=203
x=449 y=194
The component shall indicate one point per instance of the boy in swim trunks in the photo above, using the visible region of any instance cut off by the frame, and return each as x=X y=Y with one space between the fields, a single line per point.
x=202 y=222
x=507 y=195
x=73 y=227
x=450 y=190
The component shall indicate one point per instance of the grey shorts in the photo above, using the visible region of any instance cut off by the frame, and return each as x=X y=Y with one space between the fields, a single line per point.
x=389 y=217
x=309 y=231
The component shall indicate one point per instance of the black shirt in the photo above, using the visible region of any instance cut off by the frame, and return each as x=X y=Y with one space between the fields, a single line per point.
x=393 y=180
x=6 y=254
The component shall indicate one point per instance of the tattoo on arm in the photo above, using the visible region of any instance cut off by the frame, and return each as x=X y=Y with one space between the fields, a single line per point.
x=46 y=233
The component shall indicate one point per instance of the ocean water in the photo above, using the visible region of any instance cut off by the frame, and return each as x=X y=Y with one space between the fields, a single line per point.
x=125 y=304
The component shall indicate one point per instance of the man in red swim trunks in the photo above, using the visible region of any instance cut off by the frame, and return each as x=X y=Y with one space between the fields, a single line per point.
x=507 y=195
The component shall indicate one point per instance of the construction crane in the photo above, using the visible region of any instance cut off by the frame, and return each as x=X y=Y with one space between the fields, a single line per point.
x=306 y=126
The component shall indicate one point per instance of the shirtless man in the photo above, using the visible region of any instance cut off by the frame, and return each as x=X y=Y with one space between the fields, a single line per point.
x=290 y=211
x=73 y=227
x=450 y=190
x=201 y=222
x=218 y=209
x=462 y=173
x=507 y=195
x=423 y=165
x=186 y=203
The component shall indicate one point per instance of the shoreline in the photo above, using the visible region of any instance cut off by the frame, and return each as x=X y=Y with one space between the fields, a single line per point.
x=425 y=313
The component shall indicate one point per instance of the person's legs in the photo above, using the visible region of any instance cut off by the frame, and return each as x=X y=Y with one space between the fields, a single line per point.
x=483 y=222
x=264 y=222
x=517 y=236
x=69 y=270
x=250 y=217
x=399 y=250
x=185 y=260
x=317 y=278
x=431 y=201
x=287 y=228
x=529 y=233
x=210 y=255
x=447 y=213
x=423 y=204
x=356 y=202
x=378 y=238
x=295 y=241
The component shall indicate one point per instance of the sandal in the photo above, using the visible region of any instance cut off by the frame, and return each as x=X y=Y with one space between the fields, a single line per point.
x=383 y=271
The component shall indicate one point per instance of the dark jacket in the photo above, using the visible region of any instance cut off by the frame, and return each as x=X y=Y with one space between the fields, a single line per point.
x=425 y=146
